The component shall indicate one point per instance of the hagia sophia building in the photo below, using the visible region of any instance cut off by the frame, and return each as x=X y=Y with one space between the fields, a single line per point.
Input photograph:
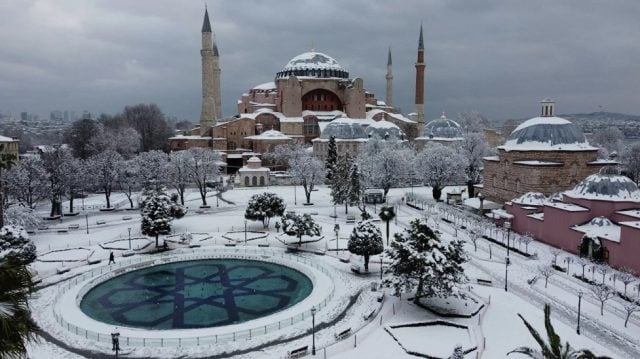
x=311 y=99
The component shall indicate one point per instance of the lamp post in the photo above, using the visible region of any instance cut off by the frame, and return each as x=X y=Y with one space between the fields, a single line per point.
x=245 y=232
x=86 y=218
x=381 y=267
x=506 y=272
x=580 y=293
x=313 y=331
x=336 y=229
x=129 y=229
x=481 y=198
x=295 y=196
x=115 y=342
x=507 y=226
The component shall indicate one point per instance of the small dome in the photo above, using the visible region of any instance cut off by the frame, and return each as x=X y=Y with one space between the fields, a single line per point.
x=343 y=129
x=254 y=159
x=313 y=64
x=384 y=130
x=442 y=128
x=531 y=199
x=547 y=134
x=610 y=187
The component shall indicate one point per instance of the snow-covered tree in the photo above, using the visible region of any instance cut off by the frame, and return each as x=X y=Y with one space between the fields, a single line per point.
x=422 y=262
x=299 y=225
x=307 y=171
x=19 y=215
x=345 y=186
x=73 y=177
x=630 y=308
x=332 y=159
x=631 y=161
x=178 y=176
x=603 y=269
x=54 y=162
x=128 y=180
x=440 y=166
x=365 y=241
x=382 y=163
x=475 y=233
x=124 y=140
x=474 y=147
x=458 y=353
x=583 y=262
x=152 y=169
x=263 y=207
x=158 y=211
x=104 y=169
x=626 y=277
x=526 y=239
x=546 y=271
x=472 y=121
x=203 y=166
x=609 y=139
x=27 y=181
x=15 y=246
x=602 y=293
x=387 y=214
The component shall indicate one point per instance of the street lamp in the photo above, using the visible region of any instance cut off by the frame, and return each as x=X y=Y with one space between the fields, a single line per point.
x=86 y=218
x=580 y=293
x=245 y=232
x=381 y=267
x=506 y=272
x=507 y=226
x=115 y=342
x=481 y=198
x=313 y=331
x=336 y=229
x=129 y=237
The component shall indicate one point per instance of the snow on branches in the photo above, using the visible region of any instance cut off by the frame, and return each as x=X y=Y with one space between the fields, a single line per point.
x=421 y=261
x=16 y=246
x=299 y=225
x=365 y=240
x=264 y=206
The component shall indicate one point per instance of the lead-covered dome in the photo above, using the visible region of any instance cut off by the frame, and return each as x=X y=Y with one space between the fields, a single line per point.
x=313 y=64
x=606 y=186
x=343 y=129
x=384 y=130
x=442 y=129
x=547 y=134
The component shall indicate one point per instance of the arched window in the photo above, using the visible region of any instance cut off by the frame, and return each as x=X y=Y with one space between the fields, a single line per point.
x=517 y=185
x=262 y=180
x=246 y=181
x=506 y=183
x=254 y=181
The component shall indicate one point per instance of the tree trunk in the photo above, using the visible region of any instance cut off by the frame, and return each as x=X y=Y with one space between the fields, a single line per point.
x=366 y=263
x=601 y=308
x=130 y=200
x=1 y=206
x=157 y=245
x=418 y=291
x=181 y=192
x=346 y=207
x=627 y=319
x=71 y=202
x=107 y=194
x=203 y=195
x=470 y=189
x=387 y=233
x=546 y=279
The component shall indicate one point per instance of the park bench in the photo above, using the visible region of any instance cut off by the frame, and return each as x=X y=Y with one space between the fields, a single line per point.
x=319 y=252
x=345 y=259
x=369 y=314
x=101 y=221
x=62 y=270
x=380 y=298
x=263 y=245
x=43 y=228
x=351 y=218
x=194 y=245
x=63 y=230
x=487 y=282
x=342 y=334
x=74 y=226
x=127 y=253
x=229 y=244
x=298 y=353
x=31 y=231
x=126 y=218
x=93 y=261
x=293 y=248
x=355 y=268
x=533 y=280
x=313 y=213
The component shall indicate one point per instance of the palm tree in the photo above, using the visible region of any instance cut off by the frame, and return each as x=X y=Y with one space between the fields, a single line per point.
x=387 y=214
x=7 y=160
x=16 y=325
x=554 y=348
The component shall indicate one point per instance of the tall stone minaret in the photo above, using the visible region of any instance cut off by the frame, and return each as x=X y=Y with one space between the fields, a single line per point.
x=210 y=72
x=389 y=77
x=420 y=83
x=217 y=94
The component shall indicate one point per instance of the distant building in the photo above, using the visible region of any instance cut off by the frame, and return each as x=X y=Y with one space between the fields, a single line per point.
x=441 y=130
x=10 y=146
x=545 y=154
x=253 y=174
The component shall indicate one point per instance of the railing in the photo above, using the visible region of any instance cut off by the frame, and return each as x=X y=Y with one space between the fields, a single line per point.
x=125 y=265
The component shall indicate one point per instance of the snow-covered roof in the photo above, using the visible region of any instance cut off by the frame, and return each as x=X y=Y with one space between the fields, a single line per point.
x=491 y=158
x=539 y=216
x=501 y=213
x=343 y=128
x=384 y=129
x=635 y=213
x=313 y=64
x=270 y=135
x=600 y=227
x=7 y=139
x=569 y=207
x=607 y=187
x=531 y=199
x=183 y=137
x=442 y=128
x=323 y=115
x=547 y=134
x=634 y=224
x=537 y=163
x=474 y=203
x=265 y=86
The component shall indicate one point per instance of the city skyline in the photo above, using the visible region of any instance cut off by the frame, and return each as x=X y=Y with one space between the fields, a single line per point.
x=498 y=59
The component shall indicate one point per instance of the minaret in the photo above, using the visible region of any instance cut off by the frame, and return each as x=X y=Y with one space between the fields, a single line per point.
x=420 y=83
x=208 y=113
x=217 y=94
x=389 y=77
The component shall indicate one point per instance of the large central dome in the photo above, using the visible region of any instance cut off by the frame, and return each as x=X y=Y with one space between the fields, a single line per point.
x=313 y=64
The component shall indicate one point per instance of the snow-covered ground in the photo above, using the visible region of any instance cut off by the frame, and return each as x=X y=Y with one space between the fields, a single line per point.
x=495 y=331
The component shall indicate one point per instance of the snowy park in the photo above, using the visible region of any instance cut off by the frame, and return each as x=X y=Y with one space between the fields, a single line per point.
x=354 y=316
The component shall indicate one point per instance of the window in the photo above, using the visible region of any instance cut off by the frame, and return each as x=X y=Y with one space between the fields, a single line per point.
x=262 y=180
x=254 y=181
x=246 y=181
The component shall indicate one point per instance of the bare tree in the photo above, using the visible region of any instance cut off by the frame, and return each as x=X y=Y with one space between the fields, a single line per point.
x=602 y=293
x=307 y=171
x=440 y=166
x=608 y=139
x=555 y=253
x=474 y=148
x=177 y=172
x=104 y=168
x=603 y=269
x=152 y=169
x=27 y=180
x=128 y=179
x=202 y=167
x=475 y=233
x=546 y=271
x=626 y=277
x=583 y=262
x=631 y=161
x=630 y=308
x=526 y=239
x=568 y=260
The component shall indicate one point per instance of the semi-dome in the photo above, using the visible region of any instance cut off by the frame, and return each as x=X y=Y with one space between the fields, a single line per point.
x=547 y=134
x=442 y=129
x=384 y=130
x=313 y=64
x=606 y=186
x=343 y=129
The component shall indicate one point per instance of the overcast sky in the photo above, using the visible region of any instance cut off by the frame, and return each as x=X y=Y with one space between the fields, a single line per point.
x=496 y=57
